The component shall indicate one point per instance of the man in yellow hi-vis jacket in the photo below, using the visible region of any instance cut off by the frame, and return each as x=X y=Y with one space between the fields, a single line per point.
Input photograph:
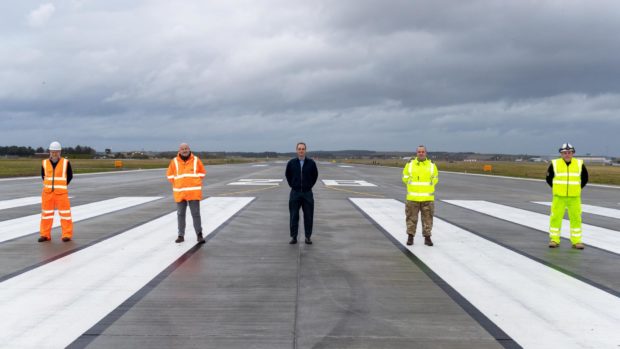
x=420 y=175
x=566 y=176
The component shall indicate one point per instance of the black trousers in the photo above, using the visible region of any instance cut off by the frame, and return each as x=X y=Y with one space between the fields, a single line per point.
x=305 y=201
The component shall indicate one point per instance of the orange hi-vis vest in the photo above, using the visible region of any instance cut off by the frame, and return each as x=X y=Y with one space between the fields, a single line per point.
x=55 y=178
x=186 y=178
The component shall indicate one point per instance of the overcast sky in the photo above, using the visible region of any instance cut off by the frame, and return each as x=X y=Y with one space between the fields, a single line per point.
x=517 y=76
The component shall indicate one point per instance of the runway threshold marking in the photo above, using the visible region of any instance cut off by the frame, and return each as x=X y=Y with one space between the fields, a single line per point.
x=30 y=200
x=347 y=183
x=597 y=210
x=535 y=305
x=605 y=239
x=18 y=227
x=256 y=181
x=54 y=304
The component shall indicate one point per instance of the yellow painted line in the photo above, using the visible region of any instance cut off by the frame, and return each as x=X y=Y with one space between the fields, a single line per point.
x=355 y=192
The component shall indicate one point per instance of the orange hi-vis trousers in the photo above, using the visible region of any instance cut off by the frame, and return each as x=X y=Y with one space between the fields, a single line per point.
x=49 y=202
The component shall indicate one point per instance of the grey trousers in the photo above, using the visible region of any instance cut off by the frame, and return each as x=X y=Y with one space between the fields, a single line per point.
x=194 y=208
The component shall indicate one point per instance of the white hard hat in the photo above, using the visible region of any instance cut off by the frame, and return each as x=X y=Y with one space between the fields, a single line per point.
x=567 y=147
x=55 y=146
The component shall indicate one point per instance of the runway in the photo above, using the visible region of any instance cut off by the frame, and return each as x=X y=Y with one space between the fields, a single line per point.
x=489 y=282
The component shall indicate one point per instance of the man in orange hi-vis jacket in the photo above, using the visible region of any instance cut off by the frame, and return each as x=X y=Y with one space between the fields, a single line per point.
x=185 y=173
x=56 y=173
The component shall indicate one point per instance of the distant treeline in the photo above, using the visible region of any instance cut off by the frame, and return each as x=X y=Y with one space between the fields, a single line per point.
x=13 y=150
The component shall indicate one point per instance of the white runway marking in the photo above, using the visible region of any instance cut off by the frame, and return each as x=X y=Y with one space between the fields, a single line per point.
x=602 y=238
x=30 y=200
x=54 y=304
x=597 y=210
x=256 y=182
x=537 y=306
x=15 y=228
x=345 y=166
x=347 y=183
x=260 y=165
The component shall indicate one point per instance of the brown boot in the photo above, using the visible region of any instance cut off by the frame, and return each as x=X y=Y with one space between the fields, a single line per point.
x=578 y=246
x=410 y=240
x=428 y=241
x=553 y=244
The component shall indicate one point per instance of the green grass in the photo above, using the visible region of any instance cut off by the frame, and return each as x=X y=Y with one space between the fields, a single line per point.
x=32 y=167
x=597 y=173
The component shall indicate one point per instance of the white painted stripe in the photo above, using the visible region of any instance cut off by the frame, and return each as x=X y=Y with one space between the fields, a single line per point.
x=597 y=210
x=602 y=238
x=15 y=228
x=54 y=304
x=260 y=165
x=256 y=181
x=548 y=309
x=345 y=166
x=347 y=183
x=30 y=200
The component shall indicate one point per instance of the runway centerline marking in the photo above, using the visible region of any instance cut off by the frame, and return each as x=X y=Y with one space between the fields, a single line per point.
x=54 y=304
x=547 y=309
x=605 y=239
x=256 y=181
x=18 y=227
x=597 y=210
x=347 y=183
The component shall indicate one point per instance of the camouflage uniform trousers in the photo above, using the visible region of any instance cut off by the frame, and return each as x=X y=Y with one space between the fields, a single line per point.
x=427 y=209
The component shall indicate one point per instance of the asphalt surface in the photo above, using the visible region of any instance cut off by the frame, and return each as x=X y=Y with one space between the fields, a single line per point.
x=353 y=288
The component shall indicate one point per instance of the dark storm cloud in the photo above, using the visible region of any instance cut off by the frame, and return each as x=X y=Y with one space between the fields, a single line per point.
x=509 y=76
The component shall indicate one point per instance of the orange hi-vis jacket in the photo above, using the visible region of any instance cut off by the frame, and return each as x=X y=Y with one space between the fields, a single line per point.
x=55 y=179
x=186 y=178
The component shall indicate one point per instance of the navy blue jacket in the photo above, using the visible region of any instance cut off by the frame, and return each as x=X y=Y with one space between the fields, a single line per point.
x=301 y=179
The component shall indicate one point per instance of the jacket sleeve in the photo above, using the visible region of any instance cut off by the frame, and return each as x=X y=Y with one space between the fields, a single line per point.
x=288 y=174
x=315 y=173
x=69 y=172
x=550 y=175
x=435 y=178
x=584 y=176
x=201 y=167
x=171 y=172
x=406 y=174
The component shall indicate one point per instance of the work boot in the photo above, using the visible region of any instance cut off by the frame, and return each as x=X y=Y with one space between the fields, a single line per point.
x=308 y=241
x=578 y=246
x=43 y=239
x=428 y=241
x=553 y=244
x=66 y=239
x=179 y=239
x=410 y=240
x=293 y=241
x=200 y=239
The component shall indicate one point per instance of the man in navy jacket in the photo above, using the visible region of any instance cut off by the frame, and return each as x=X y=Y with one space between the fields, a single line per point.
x=301 y=175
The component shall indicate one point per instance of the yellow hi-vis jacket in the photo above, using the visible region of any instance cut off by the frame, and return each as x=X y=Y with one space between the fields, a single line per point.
x=567 y=178
x=186 y=178
x=55 y=179
x=421 y=178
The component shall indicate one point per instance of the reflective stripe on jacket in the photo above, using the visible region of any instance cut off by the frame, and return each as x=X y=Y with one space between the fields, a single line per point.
x=186 y=178
x=421 y=178
x=567 y=179
x=55 y=179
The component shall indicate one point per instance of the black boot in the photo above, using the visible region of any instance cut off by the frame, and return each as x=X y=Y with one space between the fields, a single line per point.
x=200 y=239
x=179 y=239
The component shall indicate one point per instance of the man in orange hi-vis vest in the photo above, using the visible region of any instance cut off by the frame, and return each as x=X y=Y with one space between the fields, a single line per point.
x=185 y=173
x=56 y=173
